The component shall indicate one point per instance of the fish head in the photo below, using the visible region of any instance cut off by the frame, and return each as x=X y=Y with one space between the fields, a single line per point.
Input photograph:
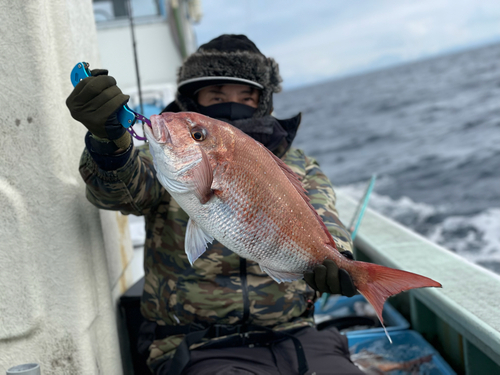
x=180 y=141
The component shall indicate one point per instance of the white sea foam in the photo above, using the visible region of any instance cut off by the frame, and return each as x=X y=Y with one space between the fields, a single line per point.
x=476 y=238
x=404 y=210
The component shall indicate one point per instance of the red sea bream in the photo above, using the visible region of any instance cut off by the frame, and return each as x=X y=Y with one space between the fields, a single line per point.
x=237 y=192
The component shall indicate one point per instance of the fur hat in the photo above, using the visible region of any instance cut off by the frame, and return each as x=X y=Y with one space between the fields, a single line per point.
x=228 y=59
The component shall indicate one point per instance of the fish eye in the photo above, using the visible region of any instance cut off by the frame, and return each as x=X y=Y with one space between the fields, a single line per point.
x=198 y=134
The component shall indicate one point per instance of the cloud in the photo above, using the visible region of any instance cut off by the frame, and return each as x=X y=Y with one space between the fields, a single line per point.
x=314 y=41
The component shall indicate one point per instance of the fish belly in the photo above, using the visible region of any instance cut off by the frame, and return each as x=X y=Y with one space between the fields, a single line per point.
x=255 y=231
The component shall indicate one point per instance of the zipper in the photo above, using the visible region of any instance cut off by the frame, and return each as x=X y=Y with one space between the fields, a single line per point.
x=244 y=288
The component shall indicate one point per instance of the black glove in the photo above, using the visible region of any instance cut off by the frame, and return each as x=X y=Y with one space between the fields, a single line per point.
x=328 y=278
x=95 y=102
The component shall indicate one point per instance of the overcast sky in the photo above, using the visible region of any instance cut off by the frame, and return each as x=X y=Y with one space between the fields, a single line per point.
x=323 y=39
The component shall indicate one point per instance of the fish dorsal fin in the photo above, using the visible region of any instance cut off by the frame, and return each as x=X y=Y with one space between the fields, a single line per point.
x=195 y=242
x=203 y=177
x=293 y=178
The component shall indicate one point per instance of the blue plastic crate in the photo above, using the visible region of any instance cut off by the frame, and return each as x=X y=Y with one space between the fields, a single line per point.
x=340 y=306
x=407 y=345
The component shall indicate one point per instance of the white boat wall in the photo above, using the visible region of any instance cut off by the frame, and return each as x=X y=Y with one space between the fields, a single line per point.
x=63 y=263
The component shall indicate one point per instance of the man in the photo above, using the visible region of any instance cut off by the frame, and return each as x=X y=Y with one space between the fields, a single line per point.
x=223 y=315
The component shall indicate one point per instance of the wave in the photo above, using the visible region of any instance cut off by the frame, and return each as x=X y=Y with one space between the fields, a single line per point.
x=474 y=237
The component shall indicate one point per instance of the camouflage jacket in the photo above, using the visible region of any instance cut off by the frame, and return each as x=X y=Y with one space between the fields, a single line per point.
x=221 y=287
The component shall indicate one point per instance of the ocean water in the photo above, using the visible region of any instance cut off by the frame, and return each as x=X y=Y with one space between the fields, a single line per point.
x=430 y=130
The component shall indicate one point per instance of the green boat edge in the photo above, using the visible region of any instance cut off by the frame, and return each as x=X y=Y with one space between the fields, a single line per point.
x=462 y=319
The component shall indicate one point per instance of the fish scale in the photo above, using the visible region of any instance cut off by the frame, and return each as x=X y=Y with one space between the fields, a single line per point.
x=267 y=239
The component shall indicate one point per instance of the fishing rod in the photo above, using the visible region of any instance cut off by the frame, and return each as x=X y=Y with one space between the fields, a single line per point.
x=355 y=222
x=360 y=210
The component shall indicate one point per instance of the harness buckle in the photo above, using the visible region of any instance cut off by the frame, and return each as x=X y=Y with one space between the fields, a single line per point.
x=227 y=329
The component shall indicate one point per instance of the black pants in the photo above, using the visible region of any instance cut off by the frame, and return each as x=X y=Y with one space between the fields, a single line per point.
x=326 y=352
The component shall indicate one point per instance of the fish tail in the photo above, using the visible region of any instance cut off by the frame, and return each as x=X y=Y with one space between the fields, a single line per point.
x=376 y=283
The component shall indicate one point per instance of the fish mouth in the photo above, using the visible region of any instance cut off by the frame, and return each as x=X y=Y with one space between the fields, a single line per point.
x=159 y=130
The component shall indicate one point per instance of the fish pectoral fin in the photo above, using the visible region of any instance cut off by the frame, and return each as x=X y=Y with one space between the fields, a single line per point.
x=195 y=242
x=281 y=276
x=203 y=178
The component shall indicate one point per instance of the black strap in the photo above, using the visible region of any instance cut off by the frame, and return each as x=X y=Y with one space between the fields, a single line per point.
x=244 y=289
x=182 y=354
x=163 y=331
x=299 y=350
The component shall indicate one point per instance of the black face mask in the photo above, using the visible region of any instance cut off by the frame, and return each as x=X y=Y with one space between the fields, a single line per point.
x=266 y=130
x=228 y=111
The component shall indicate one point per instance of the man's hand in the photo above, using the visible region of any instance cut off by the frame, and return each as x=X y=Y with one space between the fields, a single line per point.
x=328 y=278
x=95 y=102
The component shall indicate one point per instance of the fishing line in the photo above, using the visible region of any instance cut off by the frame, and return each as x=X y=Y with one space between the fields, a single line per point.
x=379 y=319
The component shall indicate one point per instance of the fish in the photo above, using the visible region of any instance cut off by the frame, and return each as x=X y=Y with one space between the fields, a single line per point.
x=375 y=364
x=239 y=193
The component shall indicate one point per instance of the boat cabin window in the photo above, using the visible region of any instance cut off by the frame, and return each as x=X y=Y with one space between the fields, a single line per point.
x=110 y=10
